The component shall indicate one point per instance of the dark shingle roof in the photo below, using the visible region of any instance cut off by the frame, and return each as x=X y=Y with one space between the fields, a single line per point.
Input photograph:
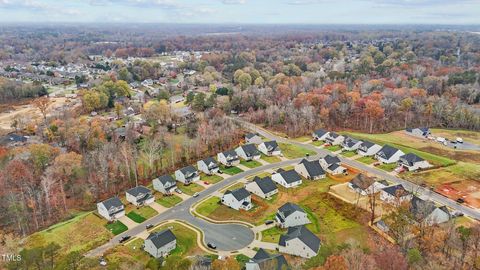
x=387 y=151
x=320 y=132
x=211 y=162
x=189 y=170
x=334 y=166
x=230 y=154
x=362 y=181
x=263 y=259
x=350 y=142
x=333 y=135
x=250 y=135
x=250 y=150
x=112 y=202
x=239 y=193
x=304 y=235
x=290 y=176
x=366 y=145
x=330 y=159
x=313 y=167
x=164 y=179
x=410 y=159
x=290 y=208
x=397 y=190
x=160 y=239
x=272 y=146
x=265 y=184
x=138 y=190
x=420 y=209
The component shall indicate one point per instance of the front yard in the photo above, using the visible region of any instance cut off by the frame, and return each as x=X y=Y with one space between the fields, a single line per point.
x=211 y=179
x=190 y=189
x=366 y=160
x=186 y=239
x=251 y=164
x=169 y=201
x=318 y=143
x=230 y=170
x=140 y=214
x=116 y=227
x=388 y=167
x=334 y=148
x=292 y=151
x=272 y=235
x=208 y=206
x=348 y=153
x=271 y=159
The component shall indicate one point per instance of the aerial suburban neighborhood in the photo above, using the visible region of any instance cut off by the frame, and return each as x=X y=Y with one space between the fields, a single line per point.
x=232 y=135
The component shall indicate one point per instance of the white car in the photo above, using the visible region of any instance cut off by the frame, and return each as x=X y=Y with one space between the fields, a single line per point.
x=459 y=140
x=440 y=139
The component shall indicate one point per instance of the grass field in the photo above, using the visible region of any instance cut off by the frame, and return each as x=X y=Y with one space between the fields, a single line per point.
x=251 y=164
x=116 y=227
x=459 y=172
x=292 y=151
x=318 y=143
x=230 y=170
x=208 y=206
x=190 y=189
x=83 y=232
x=169 y=201
x=136 y=217
x=348 y=153
x=186 y=239
x=211 y=179
x=388 y=167
x=272 y=235
x=271 y=159
x=366 y=160
x=333 y=148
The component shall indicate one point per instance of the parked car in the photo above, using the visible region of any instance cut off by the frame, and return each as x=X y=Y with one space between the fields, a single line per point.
x=125 y=238
x=220 y=172
x=196 y=194
x=459 y=140
x=206 y=183
x=460 y=200
x=376 y=164
x=211 y=245
x=149 y=226
x=400 y=169
x=179 y=191
x=268 y=222
x=102 y=261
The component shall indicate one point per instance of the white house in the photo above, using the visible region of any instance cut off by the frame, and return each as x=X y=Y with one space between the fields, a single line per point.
x=253 y=138
x=428 y=212
x=388 y=154
x=328 y=160
x=228 y=158
x=319 y=135
x=237 y=199
x=248 y=152
x=291 y=215
x=187 y=175
x=299 y=241
x=334 y=138
x=160 y=244
x=350 y=144
x=366 y=185
x=208 y=166
x=111 y=209
x=395 y=194
x=368 y=149
x=262 y=187
x=165 y=184
x=140 y=196
x=266 y=261
x=421 y=131
x=287 y=179
x=336 y=169
x=310 y=169
x=270 y=148
x=413 y=162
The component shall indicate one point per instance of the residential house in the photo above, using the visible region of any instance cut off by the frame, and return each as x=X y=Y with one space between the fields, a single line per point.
x=334 y=138
x=270 y=148
x=208 y=166
x=266 y=261
x=237 y=199
x=291 y=215
x=253 y=138
x=248 y=152
x=111 y=209
x=395 y=194
x=187 y=175
x=413 y=162
x=428 y=212
x=165 y=184
x=319 y=135
x=160 y=244
x=328 y=160
x=368 y=149
x=389 y=154
x=287 y=179
x=140 y=196
x=365 y=185
x=228 y=158
x=350 y=144
x=421 y=131
x=336 y=169
x=262 y=187
x=310 y=169
x=299 y=241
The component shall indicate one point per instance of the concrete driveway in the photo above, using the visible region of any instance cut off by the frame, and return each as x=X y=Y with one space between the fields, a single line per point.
x=128 y=222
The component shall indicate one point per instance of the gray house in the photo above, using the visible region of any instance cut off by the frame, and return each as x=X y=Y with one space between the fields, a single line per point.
x=319 y=135
x=187 y=175
x=165 y=184
x=291 y=215
x=248 y=152
x=388 y=154
x=427 y=211
x=334 y=138
x=111 y=209
x=421 y=131
x=208 y=166
x=228 y=158
x=270 y=148
x=237 y=199
x=287 y=179
x=140 y=196
x=262 y=187
x=310 y=169
x=160 y=244
x=368 y=149
x=413 y=162
x=351 y=144
x=253 y=138
x=299 y=241
x=266 y=261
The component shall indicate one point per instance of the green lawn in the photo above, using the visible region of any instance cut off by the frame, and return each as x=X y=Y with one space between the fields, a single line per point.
x=135 y=243
x=190 y=189
x=303 y=138
x=349 y=153
x=251 y=164
x=136 y=217
x=116 y=227
x=169 y=201
x=292 y=151
x=271 y=159
x=366 y=160
x=388 y=167
x=186 y=238
x=208 y=206
x=230 y=170
x=242 y=260
x=334 y=148
x=211 y=179
x=272 y=235
x=318 y=143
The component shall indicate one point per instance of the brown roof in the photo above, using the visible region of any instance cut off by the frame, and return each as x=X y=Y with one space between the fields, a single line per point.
x=362 y=181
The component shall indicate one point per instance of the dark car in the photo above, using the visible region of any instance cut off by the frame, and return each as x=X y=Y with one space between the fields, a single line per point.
x=125 y=238
x=149 y=226
x=460 y=200
x=268 y=222
x=211 y=245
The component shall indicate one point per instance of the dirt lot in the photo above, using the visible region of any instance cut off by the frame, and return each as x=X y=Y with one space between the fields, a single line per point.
x=469 y=190
x=345 y=193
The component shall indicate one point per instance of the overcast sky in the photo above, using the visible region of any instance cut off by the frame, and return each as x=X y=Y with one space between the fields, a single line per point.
x=244 y=11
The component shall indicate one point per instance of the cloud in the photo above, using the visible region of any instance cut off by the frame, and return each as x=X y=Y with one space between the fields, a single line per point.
x=164 y=4
x=419 y=3
x=22 y=4
x=234 y=2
